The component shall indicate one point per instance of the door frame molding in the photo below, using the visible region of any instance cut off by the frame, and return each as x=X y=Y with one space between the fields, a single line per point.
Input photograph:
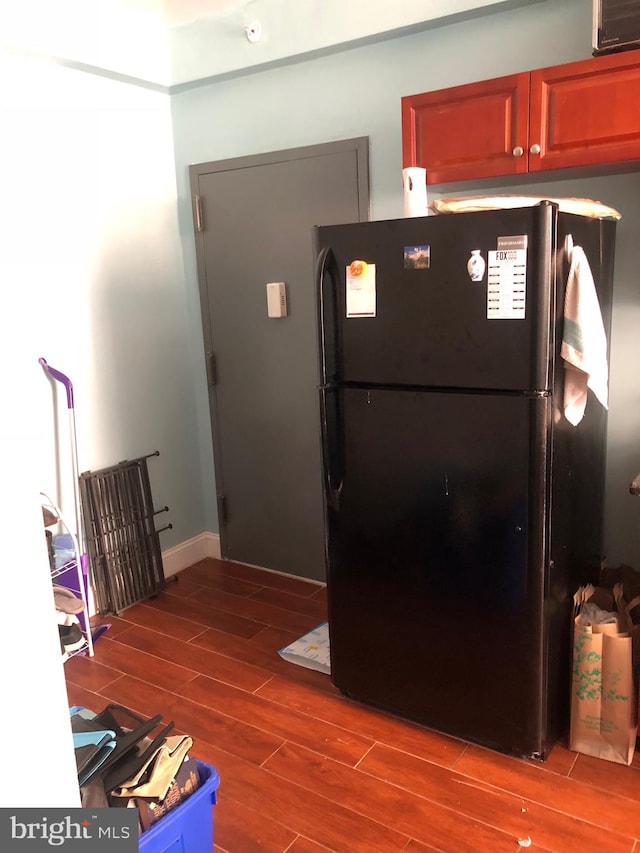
x=360 y=146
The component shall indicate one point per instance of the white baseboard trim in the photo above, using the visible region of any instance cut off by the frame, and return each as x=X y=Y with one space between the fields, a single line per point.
x=192 y=551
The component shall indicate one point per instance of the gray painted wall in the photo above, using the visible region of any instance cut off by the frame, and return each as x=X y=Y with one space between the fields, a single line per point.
x=357 y=92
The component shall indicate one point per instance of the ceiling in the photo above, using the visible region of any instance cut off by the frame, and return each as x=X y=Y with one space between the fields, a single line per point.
x=177 y=12
x=171 y=43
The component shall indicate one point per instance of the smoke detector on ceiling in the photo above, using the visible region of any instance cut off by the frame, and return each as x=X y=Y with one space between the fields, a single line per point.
x=253 y=31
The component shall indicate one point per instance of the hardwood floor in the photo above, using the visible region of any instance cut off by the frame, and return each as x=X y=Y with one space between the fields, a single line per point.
x=305 y=770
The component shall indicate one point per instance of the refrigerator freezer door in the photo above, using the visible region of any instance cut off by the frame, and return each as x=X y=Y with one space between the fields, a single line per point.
x=436 y=548
x=434 y=325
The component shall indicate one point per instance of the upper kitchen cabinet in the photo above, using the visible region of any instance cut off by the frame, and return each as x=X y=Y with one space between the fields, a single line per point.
x=466 y=132
x=585 y=113
x=578 y=114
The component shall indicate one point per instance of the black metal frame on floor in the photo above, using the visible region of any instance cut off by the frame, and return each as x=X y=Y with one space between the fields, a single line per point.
x=123 y=544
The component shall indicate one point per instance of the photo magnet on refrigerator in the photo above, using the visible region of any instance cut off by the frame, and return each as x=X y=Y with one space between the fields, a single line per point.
x=417 y=257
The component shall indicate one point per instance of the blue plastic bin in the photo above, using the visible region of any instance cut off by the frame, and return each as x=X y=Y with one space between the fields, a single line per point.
x=189 y=827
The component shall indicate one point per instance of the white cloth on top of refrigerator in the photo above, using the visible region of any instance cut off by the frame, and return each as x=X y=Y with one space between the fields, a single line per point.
x=584 y=341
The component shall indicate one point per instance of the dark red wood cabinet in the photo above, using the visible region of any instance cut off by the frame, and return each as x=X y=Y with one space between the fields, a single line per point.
x=584 y=113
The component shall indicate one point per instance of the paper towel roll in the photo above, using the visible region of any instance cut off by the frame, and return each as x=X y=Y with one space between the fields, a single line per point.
x=414 y=181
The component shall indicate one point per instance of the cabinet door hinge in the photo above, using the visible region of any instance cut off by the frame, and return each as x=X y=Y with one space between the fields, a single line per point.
x=197 y=213
x=212 y=369
x=222 y=509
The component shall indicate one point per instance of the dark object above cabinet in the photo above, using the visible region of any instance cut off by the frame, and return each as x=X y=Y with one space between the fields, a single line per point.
x=616 y=25
x=580 y=114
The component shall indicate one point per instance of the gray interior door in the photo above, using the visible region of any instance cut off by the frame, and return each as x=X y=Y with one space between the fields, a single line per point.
x=254 y=219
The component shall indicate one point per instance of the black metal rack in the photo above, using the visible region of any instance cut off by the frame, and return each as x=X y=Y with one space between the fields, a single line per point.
x=123 y=544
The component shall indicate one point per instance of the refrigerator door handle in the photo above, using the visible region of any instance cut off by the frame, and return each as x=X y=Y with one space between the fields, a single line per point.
x=332 y=456
x=327 y=325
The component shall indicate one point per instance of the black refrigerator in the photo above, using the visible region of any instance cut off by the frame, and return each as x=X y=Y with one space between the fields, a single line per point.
x=461 y=508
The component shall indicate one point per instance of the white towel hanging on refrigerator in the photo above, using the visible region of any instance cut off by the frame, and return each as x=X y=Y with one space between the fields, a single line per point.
x=584 y=341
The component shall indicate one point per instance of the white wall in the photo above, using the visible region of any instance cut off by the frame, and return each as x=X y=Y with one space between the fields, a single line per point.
x=34 y=714
x=91 y=279
x=357 y=92
x=93 y=269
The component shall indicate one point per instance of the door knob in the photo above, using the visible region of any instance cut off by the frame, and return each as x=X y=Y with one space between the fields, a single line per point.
x=535 y=149
x=518 y=151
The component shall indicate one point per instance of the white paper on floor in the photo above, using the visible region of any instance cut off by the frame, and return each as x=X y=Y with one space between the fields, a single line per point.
x=311 y=651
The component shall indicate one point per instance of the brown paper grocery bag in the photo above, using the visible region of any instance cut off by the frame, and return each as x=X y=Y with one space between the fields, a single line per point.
x=603 y=708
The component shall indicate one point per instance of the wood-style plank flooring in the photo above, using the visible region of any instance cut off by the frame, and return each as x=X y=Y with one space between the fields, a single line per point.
x=304 y=769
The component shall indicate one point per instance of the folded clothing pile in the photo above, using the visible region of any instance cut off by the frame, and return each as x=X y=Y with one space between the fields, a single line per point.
x=125 y=760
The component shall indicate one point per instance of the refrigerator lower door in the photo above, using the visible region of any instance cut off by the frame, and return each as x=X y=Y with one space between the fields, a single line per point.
x=437 y=540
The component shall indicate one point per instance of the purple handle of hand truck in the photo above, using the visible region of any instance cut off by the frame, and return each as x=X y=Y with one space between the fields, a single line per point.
x=61 y=378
